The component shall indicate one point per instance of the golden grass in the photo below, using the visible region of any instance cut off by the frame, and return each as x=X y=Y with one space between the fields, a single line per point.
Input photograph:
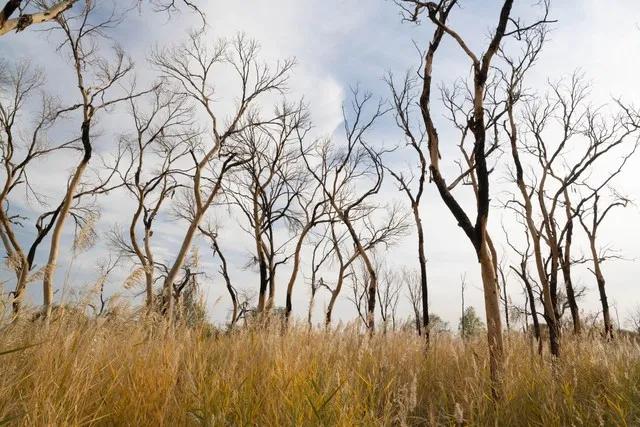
x=119 y=372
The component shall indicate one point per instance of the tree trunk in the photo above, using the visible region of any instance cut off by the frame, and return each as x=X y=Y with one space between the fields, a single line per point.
x=294 y=271
x=167 y=287
x=10 y=241
x=494 y=324
x=606 y=314
x=566 y=267
x=260 y=255
x=149 y=269
x=310 y=309
x=532 y=306
x=422 y=259
x=334 y=297
x=50 y=268
x=262 y=265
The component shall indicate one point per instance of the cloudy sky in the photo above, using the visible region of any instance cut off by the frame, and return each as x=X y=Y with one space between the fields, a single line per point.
x=341 y=43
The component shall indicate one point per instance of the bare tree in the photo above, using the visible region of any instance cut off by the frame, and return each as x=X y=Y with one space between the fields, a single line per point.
x=212 y=234
x=477 y=124
x=21 y=147
x=266 y=189
x=322 y=251
x=561 y=166
x=518 y=68
x=404 y=102
x=191 y=66
x=411 y=281
x=346 y=253
x=313 y=210
x=340 y=172
x=591 y=212
x=522 y=271
x=161 y=140
x=96 y=76
x=388 y=295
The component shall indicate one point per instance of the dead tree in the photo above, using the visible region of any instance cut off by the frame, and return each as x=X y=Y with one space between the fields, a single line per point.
x=370 y=234
x=514 y=88
x=388 y=296
x=591 y=212
x=161 y=139
x=21 y=146
x=586 y=136
x=404 y=102
x=96 y=76
x=212 y=234
x=338 y=171
x=477 y=124
x=411 y=281
x=312 y=211
x=322 y=251
x=191 y=66
x=350 y=176
x=266 y=189
x=522 y=271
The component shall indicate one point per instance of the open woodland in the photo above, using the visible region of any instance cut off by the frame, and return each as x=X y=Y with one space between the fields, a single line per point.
x=242 y=265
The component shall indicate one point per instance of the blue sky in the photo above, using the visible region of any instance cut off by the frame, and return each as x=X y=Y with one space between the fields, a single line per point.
x=340 y=43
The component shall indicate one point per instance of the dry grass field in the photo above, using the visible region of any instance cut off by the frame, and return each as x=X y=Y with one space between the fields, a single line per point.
x=126 y=372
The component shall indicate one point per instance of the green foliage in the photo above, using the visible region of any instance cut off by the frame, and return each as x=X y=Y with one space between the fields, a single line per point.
x=437 y=325
x=470 y=324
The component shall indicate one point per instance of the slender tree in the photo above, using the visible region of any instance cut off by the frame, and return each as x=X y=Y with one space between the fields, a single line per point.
x=404 y=102
x=96 y=77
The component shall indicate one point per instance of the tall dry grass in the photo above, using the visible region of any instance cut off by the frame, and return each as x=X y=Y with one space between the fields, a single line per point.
x=125 y=372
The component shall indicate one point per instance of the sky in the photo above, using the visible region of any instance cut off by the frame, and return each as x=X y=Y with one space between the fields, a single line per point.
x=338 y=44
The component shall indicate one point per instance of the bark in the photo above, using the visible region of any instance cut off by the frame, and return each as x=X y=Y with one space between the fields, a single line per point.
x=149 y=268
x=295 y=269
x=50 y=268
x=532 y=306
x=424 y=286
x=23 y=21
x=492 y=309
x=227 y=280
x=177 y=265
x=606 y=314
x=16 y=254
x=566 y=266
x=334 y=297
